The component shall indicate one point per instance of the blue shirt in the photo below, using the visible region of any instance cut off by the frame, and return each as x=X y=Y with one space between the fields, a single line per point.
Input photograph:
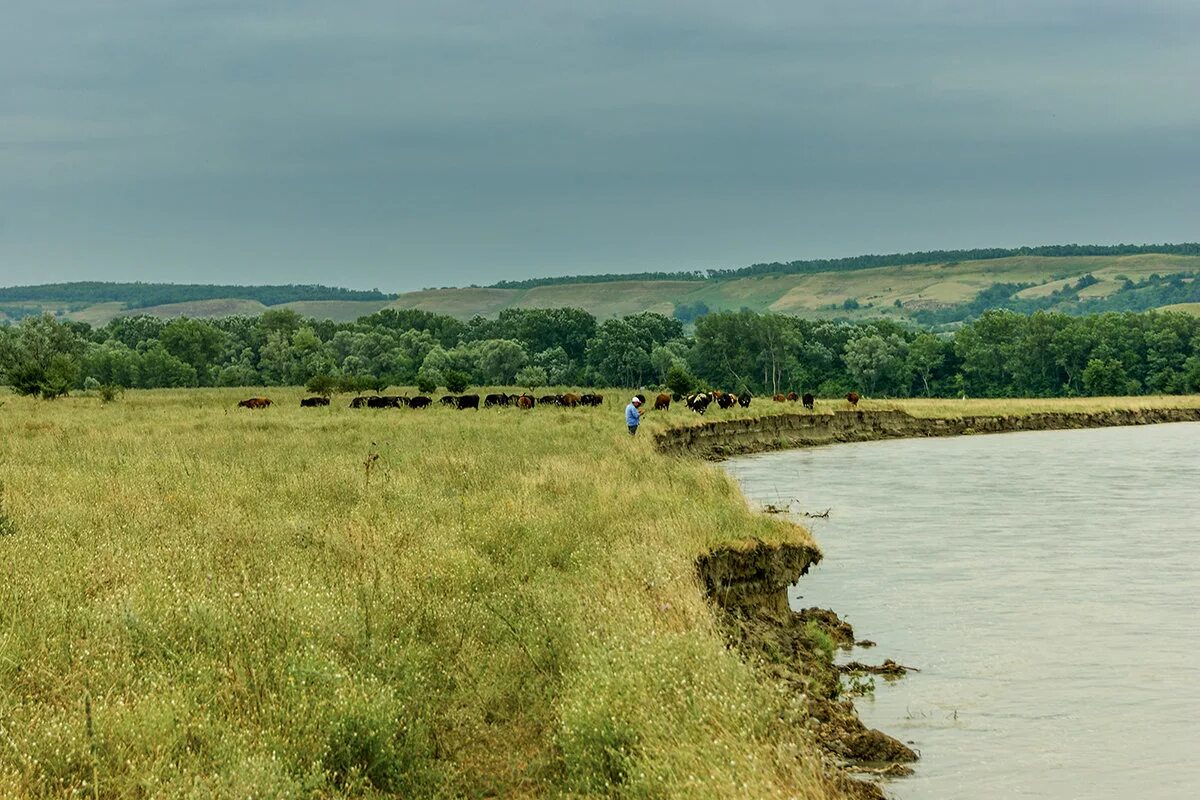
x=632 y=418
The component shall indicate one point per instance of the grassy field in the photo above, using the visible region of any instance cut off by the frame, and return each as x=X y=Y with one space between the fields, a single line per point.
x=201 y=601
x=818 y=295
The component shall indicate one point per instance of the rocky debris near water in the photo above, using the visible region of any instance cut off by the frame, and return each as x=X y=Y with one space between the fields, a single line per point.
x=837 y=628
x=888 y=669
x=864 y=643
x=781 y=645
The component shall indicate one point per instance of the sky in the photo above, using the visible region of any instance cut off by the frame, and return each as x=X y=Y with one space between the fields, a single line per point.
x=399 y=145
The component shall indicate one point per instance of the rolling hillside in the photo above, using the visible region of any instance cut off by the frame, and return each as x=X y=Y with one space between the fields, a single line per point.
x=914 y=291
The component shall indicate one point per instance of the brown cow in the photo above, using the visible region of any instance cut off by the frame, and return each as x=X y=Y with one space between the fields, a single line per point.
x=779 y=398
x=792 y=397
x=569 y=400
x=662 y=402
x=525 y=402
x=853 y=399
x=255 y=402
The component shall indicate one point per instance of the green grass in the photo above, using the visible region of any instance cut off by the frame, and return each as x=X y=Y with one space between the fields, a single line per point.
x=202 y=601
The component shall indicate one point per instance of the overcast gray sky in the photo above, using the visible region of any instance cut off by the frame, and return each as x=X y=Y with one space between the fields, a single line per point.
x=401 y=145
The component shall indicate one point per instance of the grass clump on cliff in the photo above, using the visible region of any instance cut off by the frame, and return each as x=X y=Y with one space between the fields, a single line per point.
x=202 y=601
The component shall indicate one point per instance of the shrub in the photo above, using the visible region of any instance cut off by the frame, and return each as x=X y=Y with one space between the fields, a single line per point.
x=109 y=392
x=532 y=377
x=456 y=381
x=679 y=380
x=322 y=384
x=427 y=381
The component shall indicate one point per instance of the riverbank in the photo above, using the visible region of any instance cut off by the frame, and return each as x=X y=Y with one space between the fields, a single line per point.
x=716 y=439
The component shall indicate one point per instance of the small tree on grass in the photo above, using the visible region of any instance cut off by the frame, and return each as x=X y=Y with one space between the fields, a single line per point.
x=456 y=381
x=322 y=384
x=427 y=381
x=679 y=380
x=532 y=377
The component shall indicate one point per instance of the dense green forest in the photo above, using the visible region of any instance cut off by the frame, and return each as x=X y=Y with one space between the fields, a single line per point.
x=867 y=262
x=144 y=295
x=1001 y=354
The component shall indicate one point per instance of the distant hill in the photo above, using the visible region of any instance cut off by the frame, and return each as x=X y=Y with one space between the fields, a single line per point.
x=918 y=287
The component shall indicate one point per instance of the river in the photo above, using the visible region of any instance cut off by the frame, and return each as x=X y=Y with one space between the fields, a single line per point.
x=1047 y=586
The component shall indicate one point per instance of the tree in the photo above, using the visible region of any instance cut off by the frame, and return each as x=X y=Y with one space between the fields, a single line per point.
x=532 y=377
x=322 y=383
x=456 y=381
x=1107 y=377
x=61 y=375
x=617 y=355
x=873 y=359
x=427 y=381
x=679 y=380
x=499 y=360
x=925 y=356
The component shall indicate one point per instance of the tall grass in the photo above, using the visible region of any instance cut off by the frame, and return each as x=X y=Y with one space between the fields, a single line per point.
x=203 y=601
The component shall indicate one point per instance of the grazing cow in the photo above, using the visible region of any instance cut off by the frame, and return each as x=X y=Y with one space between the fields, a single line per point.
x=591 y=399
x=662 y=402
x=699 y=402
x=467 y=401
x=792 y=397
x=500 y=399
x=808 y=401
x=725 y=400
x=779 y=398
x=853 y=399
x=549 y=400
x=358 y=402
x=255 y=402
x=676 y=396
x=448 y=400
x=570 y=400
x=744 y=399
x=313 y=402
x=384 y=401
x=420 y=401
x=525 y=402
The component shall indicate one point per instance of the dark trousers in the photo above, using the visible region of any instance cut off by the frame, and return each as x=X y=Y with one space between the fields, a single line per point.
x=633 y=430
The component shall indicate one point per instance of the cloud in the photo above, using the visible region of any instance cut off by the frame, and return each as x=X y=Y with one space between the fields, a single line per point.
x=369 y=143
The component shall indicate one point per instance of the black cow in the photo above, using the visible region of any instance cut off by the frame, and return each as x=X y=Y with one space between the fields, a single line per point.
x=726 y=400
x=699 y=402
x=448 y=400
x=420 y=401
x=549 y=400
x=359 y=402
x=500 y=399
x=384 y=401
x=808 y=401
x=591 y=399
x=467 y=401
x=744 y=399
x=313 y=402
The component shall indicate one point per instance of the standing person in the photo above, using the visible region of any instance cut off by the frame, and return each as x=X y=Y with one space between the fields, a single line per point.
x=633 y=414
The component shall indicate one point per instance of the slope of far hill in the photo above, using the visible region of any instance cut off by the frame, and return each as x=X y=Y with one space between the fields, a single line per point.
x=929 y=292
x=895 y=291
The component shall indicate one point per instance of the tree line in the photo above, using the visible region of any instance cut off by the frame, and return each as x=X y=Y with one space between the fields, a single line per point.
x=144 y=295
x=865 y=262
x=1001 y=354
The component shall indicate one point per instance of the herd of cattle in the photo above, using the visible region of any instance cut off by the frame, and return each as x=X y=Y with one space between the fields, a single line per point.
x=698 y=402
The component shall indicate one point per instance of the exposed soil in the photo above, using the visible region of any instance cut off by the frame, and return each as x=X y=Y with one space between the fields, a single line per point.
x=718 y=439
x=749 y=588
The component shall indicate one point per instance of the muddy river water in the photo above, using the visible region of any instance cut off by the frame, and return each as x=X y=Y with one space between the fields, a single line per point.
x=1046 y=584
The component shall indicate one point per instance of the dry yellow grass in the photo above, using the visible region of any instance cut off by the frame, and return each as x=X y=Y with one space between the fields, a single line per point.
x=203 y=601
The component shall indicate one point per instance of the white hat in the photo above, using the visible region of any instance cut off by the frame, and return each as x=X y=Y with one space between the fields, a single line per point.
x=636 y=399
